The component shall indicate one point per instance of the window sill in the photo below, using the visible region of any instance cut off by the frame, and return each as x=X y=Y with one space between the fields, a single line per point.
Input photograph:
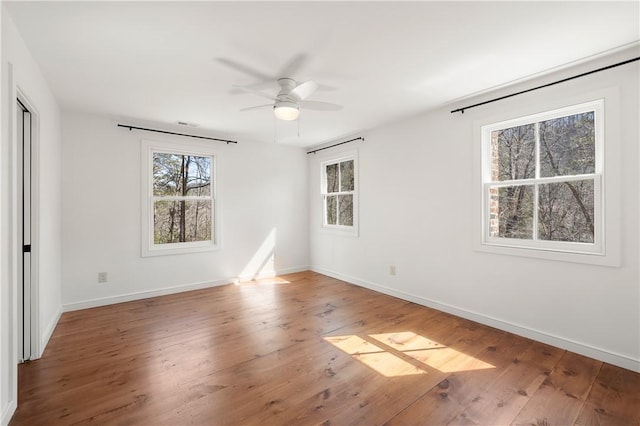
x=597 y=259
x=174 y=249
x=340 y=230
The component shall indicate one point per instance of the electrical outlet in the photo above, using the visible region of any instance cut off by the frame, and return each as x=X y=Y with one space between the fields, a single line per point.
x=392 y=270
x=102 y=277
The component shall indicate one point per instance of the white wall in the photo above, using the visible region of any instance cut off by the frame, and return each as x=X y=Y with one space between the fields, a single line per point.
x=7 y=391
x=417 y=212
x=261 y=190
x=20 y=70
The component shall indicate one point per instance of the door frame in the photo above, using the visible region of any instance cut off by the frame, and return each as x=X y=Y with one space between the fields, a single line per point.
x=35 y=349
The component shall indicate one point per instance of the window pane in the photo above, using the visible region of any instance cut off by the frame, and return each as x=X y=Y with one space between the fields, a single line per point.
x=346 y=176
x=565 y=211
x=511 y=212
x=198 y=176
x=513 y=154
x=345 y=205
x=181 y=221
x=181 y=175
x=332 y=209
x=567 y=145
x=332 y=178
x=166 y=173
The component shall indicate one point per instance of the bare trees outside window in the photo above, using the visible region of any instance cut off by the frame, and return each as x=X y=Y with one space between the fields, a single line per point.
x=566 y=208
x=182 y=198
x=338 y=192
x=542 y=178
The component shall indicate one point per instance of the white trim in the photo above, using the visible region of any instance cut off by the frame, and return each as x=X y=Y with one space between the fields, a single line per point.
x=270 y=274
x=48 y=332
x=104 y=301
x=8 y=214
x=549 y=115
x=534 y=243
x=542 y=181
x=36 y=347
x=198 y=148
x=8 y=412
x=324 y=161
x=607 y=208
x=4 y=410
x=520 y=330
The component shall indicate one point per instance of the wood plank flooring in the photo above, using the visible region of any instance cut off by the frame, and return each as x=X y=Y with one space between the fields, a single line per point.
x=306 y=349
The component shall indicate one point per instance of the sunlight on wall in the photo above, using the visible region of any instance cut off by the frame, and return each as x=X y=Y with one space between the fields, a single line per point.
x=262 y=264
x=405 y=353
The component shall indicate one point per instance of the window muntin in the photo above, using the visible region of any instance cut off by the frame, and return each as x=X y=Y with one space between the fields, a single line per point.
x=179 y=205
x=542 y=180
x=338 y=192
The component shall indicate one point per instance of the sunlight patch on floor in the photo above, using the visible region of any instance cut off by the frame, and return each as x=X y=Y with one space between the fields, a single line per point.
x=374 y=356
x=387 y=354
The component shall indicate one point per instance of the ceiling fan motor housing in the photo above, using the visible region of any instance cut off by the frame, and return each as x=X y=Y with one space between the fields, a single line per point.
x=286 y=86
x=286 y=108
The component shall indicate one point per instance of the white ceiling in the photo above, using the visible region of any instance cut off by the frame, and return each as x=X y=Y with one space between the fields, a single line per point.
x=165 y=62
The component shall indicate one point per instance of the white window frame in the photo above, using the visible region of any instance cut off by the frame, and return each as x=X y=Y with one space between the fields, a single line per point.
x=340 y=229
x=595 y=248
x=149 y=248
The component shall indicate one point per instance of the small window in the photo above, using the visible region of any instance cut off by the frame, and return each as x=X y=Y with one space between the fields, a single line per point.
x=179 y=204
x=542 y=181
x=339 y=193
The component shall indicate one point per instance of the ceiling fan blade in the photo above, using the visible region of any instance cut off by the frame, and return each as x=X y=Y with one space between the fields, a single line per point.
x=303 y=90
x=327 y=88
x=255 y=92
x=251 y=72
x=291 y=67
x=257 y=107
x=320 y=106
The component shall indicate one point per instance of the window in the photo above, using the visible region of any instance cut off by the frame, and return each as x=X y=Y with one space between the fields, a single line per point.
x=542 y=181
x=179 y=205
x=339 y=193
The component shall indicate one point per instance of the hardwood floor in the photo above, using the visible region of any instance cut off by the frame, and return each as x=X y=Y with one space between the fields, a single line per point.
x=306 y=349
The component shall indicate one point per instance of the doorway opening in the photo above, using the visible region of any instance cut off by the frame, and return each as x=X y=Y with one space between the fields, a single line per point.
x=27 y=349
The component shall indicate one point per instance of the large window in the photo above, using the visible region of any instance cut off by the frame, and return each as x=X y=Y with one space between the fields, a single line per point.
x=542 y=180
x=180 y=199
x=339 y=193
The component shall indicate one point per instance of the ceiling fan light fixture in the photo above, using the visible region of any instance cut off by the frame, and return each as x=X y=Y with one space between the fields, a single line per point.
x=286 y=111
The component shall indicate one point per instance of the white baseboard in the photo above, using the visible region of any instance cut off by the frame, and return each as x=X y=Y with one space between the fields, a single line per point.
x=540 y=336
x=271 y=274
x=48 y=332
x=93 y=303
x=8 y=411
x=104 y=301
x=293 y=270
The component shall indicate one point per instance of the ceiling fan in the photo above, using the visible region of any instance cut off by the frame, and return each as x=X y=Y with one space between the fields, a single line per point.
x=291 y=97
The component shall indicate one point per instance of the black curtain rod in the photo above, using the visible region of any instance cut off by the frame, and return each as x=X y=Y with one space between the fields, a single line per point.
x=174 y=133
x=461 y=110
x=336 y=144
